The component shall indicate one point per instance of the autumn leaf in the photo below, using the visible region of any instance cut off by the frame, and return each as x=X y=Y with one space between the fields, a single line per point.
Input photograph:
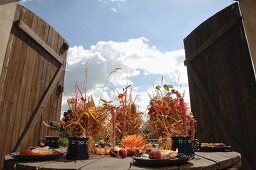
x=167 y=87
x=158 y=87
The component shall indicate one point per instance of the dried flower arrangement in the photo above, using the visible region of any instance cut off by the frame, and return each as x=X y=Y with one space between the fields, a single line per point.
x=125 y=118
x=168 y=113
x=84 y=118
x=128 y=118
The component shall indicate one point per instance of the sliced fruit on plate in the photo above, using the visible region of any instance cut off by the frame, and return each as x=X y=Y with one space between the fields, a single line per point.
x=167 y=154
x=212 y=145
x=40 y=151
x=26 y=152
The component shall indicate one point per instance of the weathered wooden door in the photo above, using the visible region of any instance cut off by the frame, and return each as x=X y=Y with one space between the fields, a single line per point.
x=222 y=83
x=31 y=82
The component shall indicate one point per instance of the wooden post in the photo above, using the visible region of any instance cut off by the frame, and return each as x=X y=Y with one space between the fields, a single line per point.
x=7 y=11
x=248 y=10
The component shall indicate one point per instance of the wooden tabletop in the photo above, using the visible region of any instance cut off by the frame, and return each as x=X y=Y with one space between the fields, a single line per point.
x=202 y=160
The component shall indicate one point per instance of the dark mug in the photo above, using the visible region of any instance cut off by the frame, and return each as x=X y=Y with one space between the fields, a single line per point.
x=185 y=145
x=77 y=149
x=51 y=141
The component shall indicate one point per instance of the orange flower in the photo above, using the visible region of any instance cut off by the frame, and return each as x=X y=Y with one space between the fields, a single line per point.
x=120 y=96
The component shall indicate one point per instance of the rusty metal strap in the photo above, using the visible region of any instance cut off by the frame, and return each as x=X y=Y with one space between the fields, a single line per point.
x=39 y=41
x=231 y=23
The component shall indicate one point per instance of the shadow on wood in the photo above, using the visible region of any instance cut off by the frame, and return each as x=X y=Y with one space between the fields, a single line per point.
x=222 y=83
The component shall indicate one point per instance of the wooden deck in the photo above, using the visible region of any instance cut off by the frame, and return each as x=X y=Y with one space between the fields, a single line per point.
x=202 y=160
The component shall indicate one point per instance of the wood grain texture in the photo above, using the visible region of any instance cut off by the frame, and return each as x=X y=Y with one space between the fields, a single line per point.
x=231 y=23
x=224 y=72
x=221 y=159
x=201 y=161
x=33 y=68
x=37 y=39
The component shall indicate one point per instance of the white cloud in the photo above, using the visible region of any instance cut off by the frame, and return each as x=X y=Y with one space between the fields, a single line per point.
x=115 y=4
x=103 y=1
x=113 y=10
x=23 y=1
x=134 y=57
x=118 y=0
x=113 y=1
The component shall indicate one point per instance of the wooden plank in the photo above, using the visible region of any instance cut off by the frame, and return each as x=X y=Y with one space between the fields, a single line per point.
x=60 y=163
x=23 y=84
x=31 y=101
x=46 y=115
x=199 y=163
x=117 y=163
x=46 y=80
x=39 y=31
x=221 y=160
x=231 y=23
x=68 y=164
x=202 y=162
x=51 y=70
x=54 y=114
x=39 y=109
x=235 y=157
x=42 y=85
x=59 y=94
x=35 y=37
x=15 y=92
x=31 y=83
x=9 y=95
x=211 y=105
x=35 y=95
x=26 y=100
x=42 y=31
x=12 y=164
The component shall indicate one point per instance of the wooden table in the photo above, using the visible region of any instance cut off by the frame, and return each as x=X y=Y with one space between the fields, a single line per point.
x=202 y=160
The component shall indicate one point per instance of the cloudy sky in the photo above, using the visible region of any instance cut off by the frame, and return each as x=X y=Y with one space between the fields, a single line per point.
x=142 y=37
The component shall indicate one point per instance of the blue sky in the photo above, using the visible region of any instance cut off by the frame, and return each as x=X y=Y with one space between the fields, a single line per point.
x=143 y=37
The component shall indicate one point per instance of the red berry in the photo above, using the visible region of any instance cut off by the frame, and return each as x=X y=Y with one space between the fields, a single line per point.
x=129 y=152
x=136 y=152
x=133 y=152
x=26 y=152
x=123 y=153
x=155 y=154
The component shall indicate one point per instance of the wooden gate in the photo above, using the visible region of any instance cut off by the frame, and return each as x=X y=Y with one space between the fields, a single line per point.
x=222 y=83
x=31 y=82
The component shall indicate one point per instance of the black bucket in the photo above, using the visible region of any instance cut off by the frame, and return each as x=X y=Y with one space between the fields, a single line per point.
x=77 y=149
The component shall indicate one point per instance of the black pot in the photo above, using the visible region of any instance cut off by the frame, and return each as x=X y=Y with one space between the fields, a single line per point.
x=77 y=149
x=185 y=144
x=51 y=141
